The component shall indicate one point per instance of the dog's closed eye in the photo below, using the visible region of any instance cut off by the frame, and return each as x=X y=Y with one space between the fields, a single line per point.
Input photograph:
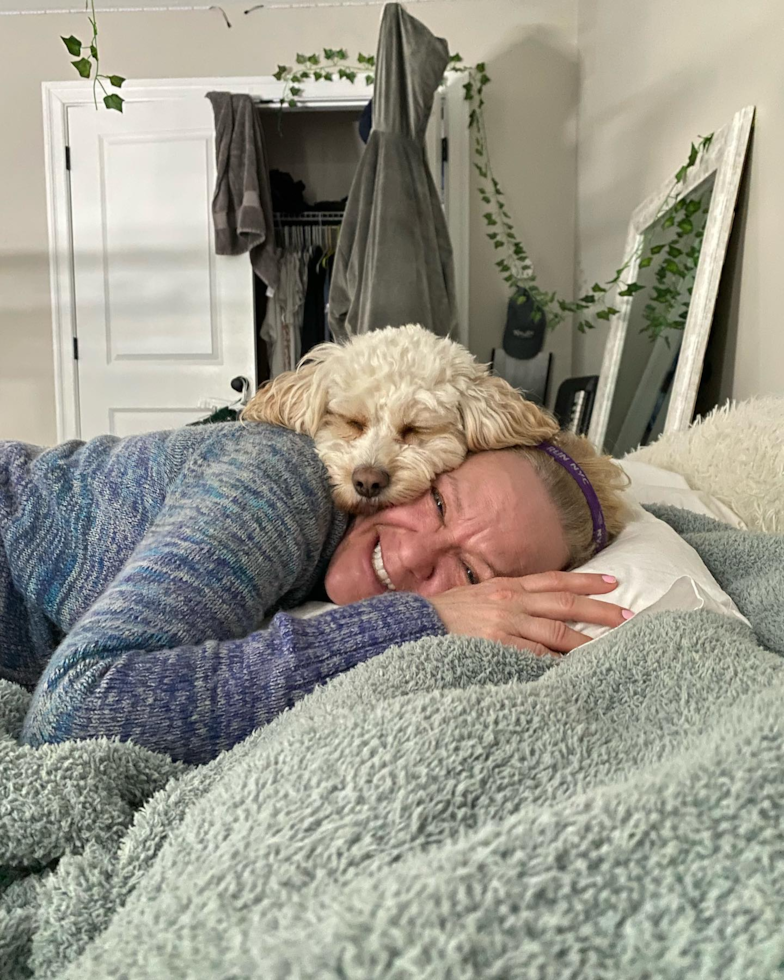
x=344 y=426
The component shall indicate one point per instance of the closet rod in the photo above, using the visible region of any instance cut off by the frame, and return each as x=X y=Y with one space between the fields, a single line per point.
x=310 y=217
x=305 y=105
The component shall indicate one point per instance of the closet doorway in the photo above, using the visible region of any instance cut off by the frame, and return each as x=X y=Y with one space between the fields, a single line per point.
x=151 y=328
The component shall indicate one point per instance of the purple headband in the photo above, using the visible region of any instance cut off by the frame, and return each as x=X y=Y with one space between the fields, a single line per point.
x=582 y=481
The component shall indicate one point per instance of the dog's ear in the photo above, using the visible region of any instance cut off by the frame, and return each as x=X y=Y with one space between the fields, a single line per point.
x=496 y=416
x=295 y=399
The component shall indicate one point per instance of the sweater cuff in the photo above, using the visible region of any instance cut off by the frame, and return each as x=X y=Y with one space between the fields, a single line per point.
x=349 y=635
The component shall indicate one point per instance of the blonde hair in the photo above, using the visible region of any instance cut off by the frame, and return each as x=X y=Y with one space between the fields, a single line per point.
x=607 y=478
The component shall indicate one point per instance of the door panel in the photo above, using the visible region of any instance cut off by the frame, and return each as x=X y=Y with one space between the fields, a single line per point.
x=163 y=323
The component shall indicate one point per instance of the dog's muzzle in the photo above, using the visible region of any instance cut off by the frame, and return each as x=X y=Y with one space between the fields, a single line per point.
x=369 y=481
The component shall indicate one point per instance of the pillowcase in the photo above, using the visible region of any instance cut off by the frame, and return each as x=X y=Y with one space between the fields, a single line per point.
x=656 y=571
x=653 y=485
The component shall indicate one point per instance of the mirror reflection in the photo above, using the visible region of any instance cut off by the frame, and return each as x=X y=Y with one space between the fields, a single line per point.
x=655 y=331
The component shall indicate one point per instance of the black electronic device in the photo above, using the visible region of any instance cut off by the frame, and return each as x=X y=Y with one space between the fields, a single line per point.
x=574 y=403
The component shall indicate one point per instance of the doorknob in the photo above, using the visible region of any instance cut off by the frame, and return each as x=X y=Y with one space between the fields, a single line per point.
x=241 y=385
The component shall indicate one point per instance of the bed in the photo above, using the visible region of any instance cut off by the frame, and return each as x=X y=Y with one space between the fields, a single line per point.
x=453 y=808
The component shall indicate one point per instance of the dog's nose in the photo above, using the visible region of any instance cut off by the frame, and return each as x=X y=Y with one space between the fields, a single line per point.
x=369 y=481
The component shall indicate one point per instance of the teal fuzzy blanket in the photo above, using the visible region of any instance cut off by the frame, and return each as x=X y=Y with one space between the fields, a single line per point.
x=451 y=809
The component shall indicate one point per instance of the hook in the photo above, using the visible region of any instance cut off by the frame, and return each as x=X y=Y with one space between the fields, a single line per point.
x=216 y=7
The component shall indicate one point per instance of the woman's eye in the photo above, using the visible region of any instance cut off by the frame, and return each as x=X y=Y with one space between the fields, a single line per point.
x=439 y=500
x=472 y=579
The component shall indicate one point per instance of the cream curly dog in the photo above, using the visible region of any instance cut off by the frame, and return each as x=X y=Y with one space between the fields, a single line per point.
x=392 y=409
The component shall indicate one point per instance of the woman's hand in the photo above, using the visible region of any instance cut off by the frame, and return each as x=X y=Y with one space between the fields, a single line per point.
x=531 y=612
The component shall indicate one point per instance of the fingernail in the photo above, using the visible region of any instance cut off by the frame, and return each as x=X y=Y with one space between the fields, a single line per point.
x=627 y=613
x=609 y=578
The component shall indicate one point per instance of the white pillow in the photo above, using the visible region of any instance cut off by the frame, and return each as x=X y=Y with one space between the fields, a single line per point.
x=653 y=485
x=656 y=570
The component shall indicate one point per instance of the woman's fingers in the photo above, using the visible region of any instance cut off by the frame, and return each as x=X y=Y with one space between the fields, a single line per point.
x=576 y=608
x=528 y=646
x=552 y=634
x=581 y=583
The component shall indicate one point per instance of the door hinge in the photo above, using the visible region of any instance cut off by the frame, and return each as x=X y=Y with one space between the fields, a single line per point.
x=76 y=348
x=68 y=158
x=444 y=149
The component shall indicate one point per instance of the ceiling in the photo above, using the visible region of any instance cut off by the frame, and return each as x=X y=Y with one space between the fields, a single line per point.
x=45 y=6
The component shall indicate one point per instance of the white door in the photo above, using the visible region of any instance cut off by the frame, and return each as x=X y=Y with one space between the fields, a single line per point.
x=163 y=324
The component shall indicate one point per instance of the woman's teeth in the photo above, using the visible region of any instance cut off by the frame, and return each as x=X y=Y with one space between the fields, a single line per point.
x=378 y=567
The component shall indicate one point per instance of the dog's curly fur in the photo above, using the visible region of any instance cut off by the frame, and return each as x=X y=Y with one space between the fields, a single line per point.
x=402 y=400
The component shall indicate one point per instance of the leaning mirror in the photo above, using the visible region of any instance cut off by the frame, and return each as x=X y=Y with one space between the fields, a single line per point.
x=657 y=340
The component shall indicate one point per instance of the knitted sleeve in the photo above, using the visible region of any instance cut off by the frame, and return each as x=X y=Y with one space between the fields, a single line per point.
x=170 y=655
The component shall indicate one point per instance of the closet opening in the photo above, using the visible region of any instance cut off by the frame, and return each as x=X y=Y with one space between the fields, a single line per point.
x=312 y=155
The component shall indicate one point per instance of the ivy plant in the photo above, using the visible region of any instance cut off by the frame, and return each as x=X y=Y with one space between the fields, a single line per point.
x=88 y=62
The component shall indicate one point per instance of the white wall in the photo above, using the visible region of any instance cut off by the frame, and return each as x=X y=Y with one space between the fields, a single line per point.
x=654 y=76
x=530 y=50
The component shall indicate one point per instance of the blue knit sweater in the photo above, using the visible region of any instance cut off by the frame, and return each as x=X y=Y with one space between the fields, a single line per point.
x=135 y=573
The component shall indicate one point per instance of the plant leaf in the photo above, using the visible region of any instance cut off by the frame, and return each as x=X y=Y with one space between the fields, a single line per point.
x=116 y=80
x=83 y=66
x=113 y=101
x=644 y=263
x=73 y=44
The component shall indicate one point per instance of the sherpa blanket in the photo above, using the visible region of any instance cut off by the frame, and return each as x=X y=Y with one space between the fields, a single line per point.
x=451 y=809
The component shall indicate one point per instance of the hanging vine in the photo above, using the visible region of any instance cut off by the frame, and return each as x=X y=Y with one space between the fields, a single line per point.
x=90 y=66
x=666 y=308
x=679 y=256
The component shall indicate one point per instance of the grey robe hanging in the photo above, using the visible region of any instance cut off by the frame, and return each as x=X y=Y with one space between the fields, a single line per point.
x=394 y=260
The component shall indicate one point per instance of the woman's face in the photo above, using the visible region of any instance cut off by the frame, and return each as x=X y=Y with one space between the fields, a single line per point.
x=492 y=516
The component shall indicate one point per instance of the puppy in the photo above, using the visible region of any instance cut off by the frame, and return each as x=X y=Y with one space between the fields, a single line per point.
x=392 y=409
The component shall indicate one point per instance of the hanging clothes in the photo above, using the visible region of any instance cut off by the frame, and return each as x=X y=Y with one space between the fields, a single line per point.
x=242 y=202
x=394 y=257
x=281 y=330
x=314 y=312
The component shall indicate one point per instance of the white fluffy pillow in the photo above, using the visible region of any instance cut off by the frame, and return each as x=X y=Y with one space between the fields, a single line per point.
x=735 y=453
x=656 y=570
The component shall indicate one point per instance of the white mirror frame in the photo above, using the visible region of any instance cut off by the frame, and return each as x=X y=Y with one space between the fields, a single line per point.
x=725 y=158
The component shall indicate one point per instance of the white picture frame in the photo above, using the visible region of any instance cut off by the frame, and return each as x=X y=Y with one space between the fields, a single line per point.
x=724 y=158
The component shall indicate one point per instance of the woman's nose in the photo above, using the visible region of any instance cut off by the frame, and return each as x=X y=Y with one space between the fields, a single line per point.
x=419 y=552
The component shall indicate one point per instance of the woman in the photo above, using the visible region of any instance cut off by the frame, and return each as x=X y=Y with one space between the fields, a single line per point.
x=135 y=574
